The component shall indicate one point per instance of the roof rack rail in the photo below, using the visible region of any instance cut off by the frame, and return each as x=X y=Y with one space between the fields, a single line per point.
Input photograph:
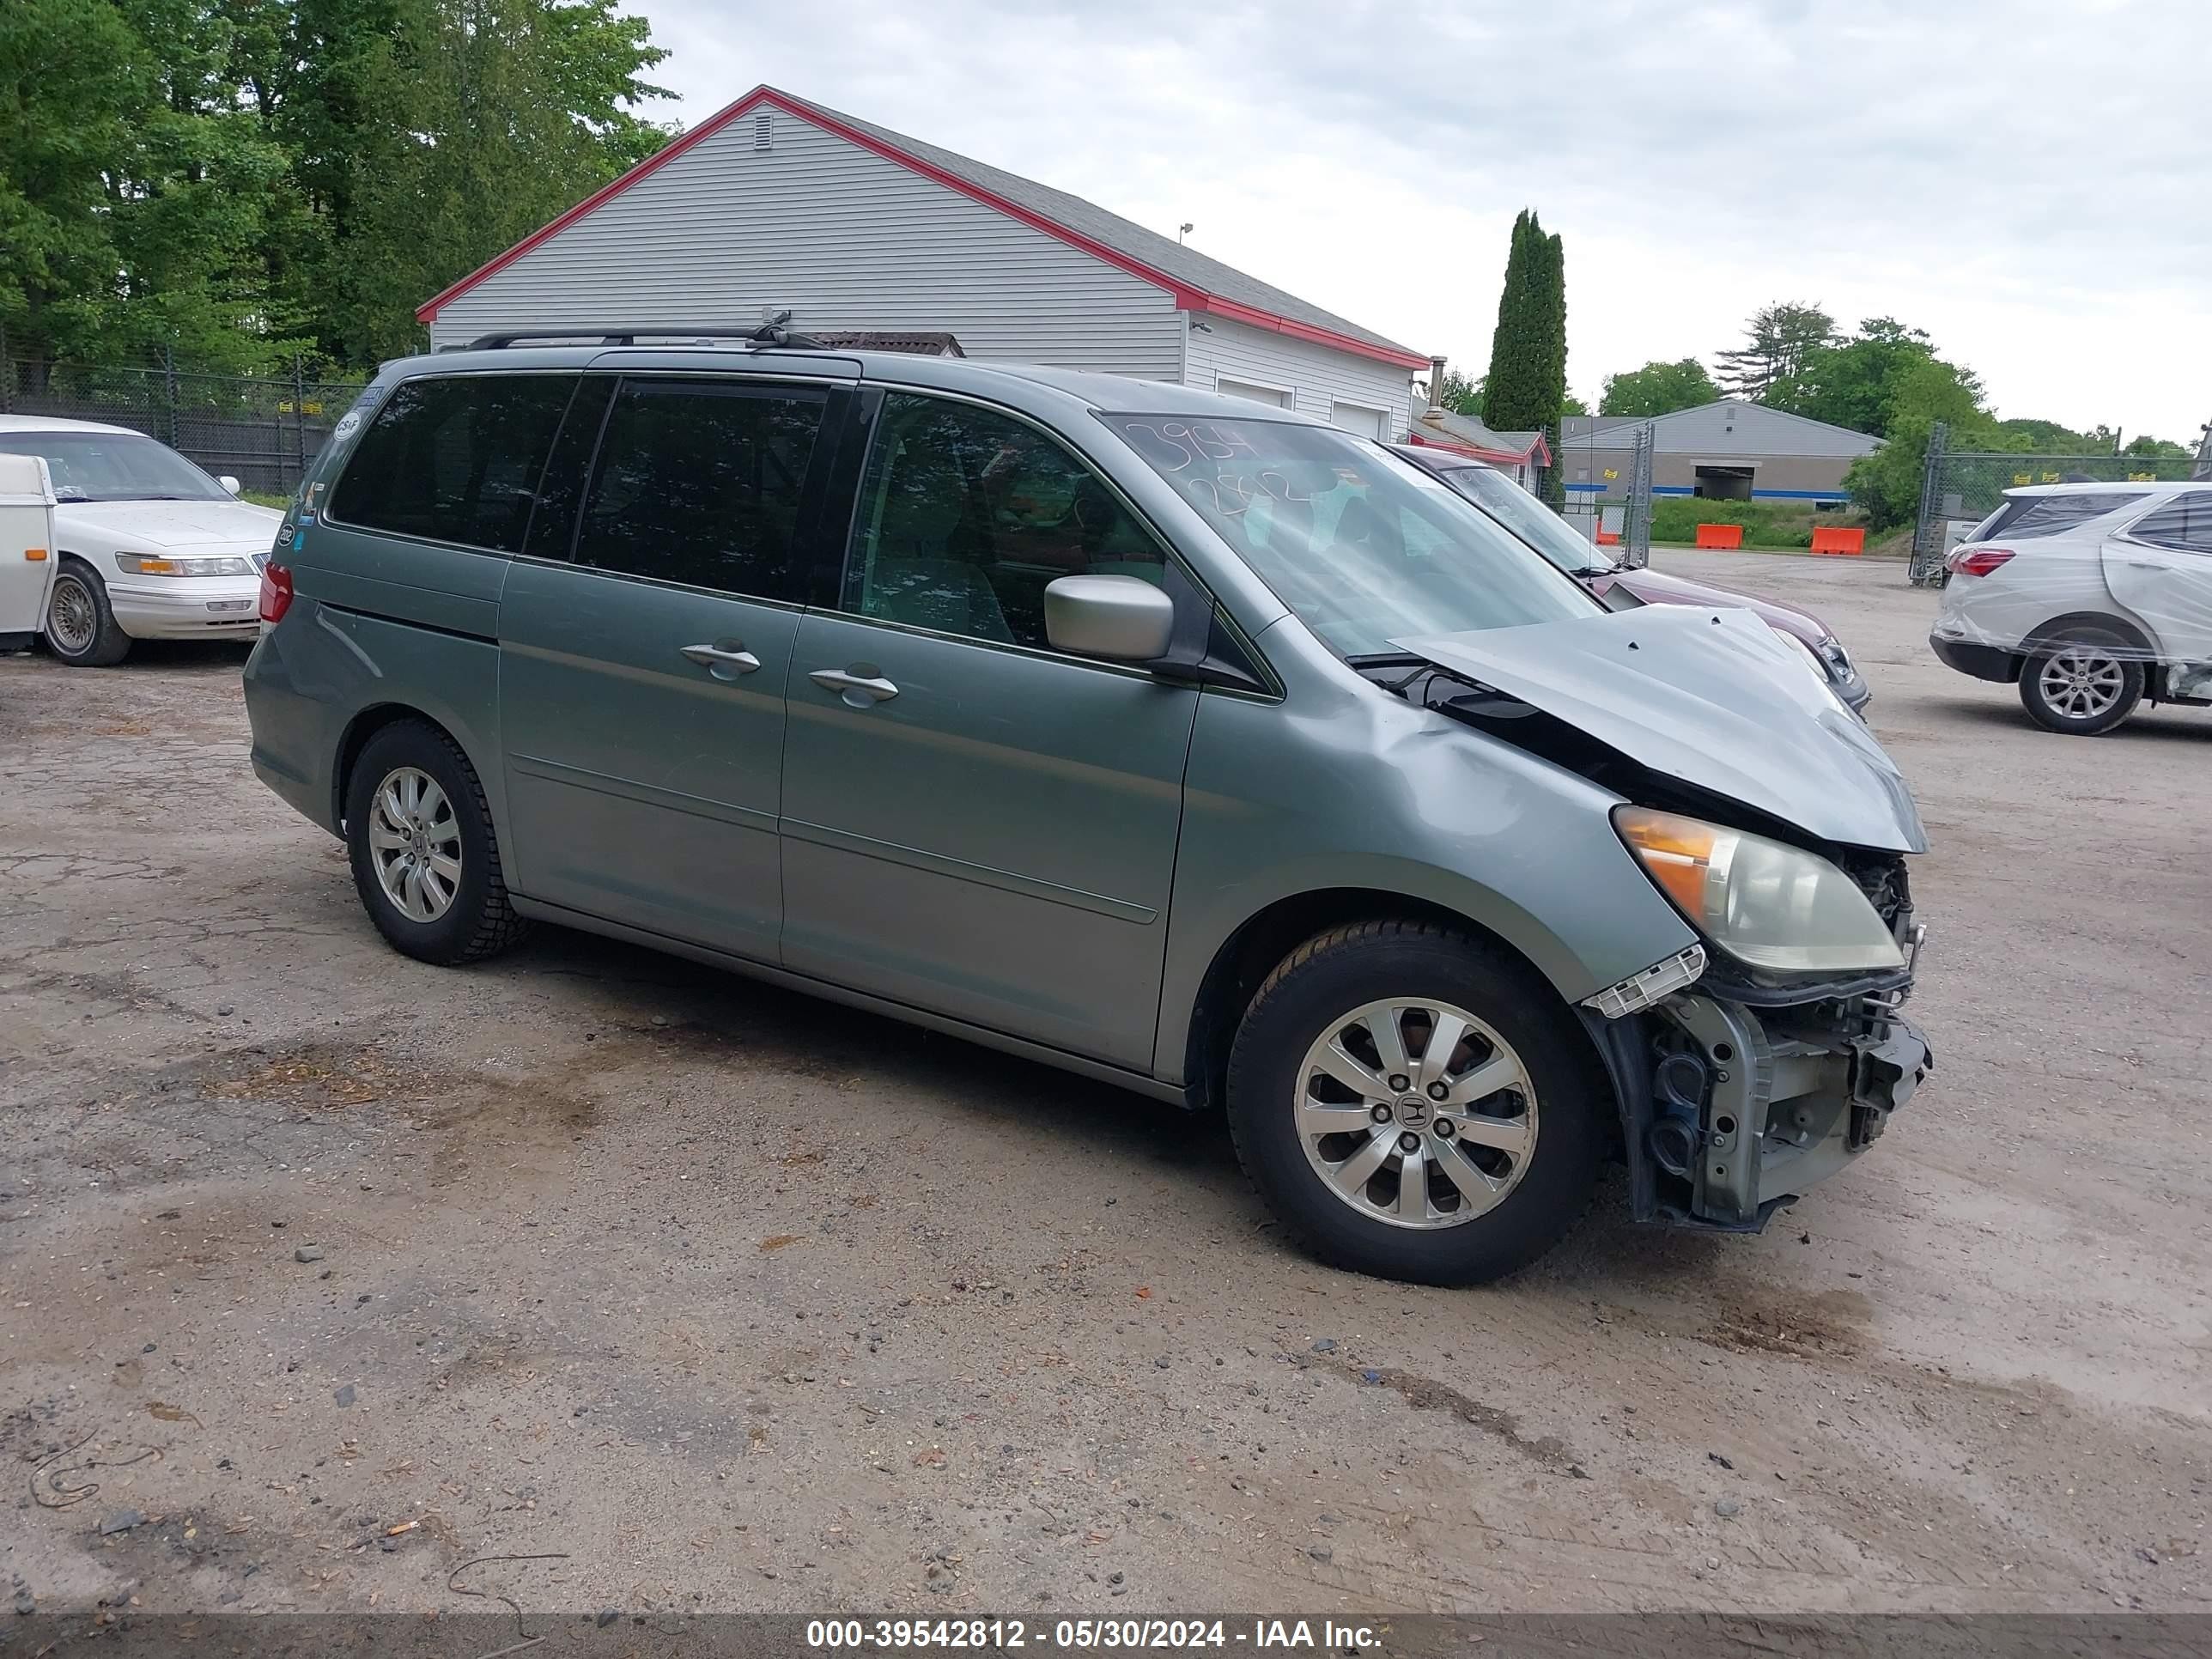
x=771 y=335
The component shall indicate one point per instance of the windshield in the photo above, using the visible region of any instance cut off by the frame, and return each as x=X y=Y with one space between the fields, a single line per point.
x=1527 y=518
x=114 y=466
x=1363 y=547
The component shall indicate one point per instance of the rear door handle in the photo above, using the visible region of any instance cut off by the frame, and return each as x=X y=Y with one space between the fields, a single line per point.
x=724 y=660
x=859 y=691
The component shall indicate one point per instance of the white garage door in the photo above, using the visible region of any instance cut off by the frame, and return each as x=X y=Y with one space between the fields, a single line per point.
x=1259 y=394
x=1358 y=417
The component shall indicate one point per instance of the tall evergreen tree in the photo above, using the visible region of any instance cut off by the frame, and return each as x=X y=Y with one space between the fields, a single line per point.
x=1528 y=380
x=1512 y=392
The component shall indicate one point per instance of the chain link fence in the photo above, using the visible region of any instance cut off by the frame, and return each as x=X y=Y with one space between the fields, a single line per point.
x=1636 y=519
x=1960 y=488
x=265 y=431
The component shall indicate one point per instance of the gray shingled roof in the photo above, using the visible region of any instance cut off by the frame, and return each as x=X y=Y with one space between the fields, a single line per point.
x=1169 y=257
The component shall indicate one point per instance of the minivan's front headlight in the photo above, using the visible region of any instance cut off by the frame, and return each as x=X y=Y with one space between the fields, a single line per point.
x=1766 y=903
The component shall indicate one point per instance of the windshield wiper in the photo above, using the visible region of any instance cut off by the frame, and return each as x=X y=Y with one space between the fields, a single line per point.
x=1386 y=660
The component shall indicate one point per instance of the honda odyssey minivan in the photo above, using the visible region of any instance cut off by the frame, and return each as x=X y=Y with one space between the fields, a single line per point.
x=1151 y=734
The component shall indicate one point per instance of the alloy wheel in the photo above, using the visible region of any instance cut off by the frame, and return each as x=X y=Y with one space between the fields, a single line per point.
x=415 y=842
x=1415 y=1112
x=2080 y=683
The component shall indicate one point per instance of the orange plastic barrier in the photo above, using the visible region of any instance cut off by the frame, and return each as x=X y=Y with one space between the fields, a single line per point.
x=1720 y=535
x=1839 y=541
x=1608 y=538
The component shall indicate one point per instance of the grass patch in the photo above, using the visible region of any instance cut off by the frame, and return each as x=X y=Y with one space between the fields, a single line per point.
x=265 y=498
x=1778 y=526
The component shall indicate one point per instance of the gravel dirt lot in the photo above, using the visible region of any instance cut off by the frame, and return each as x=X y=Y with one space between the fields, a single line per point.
x=336 y=1270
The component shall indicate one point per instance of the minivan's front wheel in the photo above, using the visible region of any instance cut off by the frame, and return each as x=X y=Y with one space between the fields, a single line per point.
x=2084 y=684
x=425 y=858
x=1412 y=1107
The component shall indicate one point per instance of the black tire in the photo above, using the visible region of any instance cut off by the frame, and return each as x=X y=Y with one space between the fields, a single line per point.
x=82 y=642
x=1337 y=972
x=2101 y=652
x=479 y=920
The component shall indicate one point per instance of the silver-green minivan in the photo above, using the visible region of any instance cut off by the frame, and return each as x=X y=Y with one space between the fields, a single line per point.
x=1155 y=735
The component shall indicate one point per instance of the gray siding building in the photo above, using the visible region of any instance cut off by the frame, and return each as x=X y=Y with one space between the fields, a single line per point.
x=1731 y=450
x=777 y=203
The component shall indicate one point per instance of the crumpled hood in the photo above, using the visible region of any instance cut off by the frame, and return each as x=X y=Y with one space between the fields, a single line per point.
x=111 y=525
x=1713 y=697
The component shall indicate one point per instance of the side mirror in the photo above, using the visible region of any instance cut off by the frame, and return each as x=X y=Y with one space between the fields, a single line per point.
x=229 y=483
x=1120 y=619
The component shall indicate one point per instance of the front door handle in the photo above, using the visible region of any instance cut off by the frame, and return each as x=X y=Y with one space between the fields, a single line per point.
x=725 y=659
x=860 y=689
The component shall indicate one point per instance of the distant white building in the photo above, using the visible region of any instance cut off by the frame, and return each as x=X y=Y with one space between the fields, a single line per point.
x=1730 y=451
x=777 y=203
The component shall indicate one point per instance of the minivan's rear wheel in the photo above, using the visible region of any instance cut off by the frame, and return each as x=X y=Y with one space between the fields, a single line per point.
x=425 y=857
x=1413 y=1106
x=80 y=626
x=2084 y=684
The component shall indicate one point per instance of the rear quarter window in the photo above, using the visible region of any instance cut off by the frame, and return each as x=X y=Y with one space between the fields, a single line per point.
x=2026 y=517
x=454 y=458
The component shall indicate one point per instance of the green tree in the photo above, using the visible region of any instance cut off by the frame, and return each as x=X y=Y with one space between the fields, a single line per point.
x=237 y=179
x=514 y=111
x=1526 y=383
x=1658 y=388
x=1886 y=484
x=191 y=218
x=1777 y=340
x=2157 y=449
x=1855 y=381
x=1461 y=395
x=133 y=186
x=75 y=84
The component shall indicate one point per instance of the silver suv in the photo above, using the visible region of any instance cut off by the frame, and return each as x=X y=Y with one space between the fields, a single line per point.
x=2089 y=597
x=1201 y=748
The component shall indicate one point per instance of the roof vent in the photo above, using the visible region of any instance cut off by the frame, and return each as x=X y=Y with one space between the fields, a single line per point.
x=764 y=131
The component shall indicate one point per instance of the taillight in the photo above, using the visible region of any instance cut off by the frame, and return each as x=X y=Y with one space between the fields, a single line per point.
x=1977 y=561
x=276 y=591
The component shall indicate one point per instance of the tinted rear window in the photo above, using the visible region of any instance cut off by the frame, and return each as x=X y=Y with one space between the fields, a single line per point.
x=2025 y=517
x=454 y=458
x=700 y=482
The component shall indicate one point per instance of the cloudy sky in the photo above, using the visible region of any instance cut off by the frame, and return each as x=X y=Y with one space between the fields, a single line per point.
x=2030 y=182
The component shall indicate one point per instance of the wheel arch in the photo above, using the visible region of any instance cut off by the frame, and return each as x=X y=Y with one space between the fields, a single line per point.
x=364 y=725
x=1254 y=948
x=2057 y=627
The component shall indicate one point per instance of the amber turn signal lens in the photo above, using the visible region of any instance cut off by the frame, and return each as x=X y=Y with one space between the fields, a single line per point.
x=1678 y=852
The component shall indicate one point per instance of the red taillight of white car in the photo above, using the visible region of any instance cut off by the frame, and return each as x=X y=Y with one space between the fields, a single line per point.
x=1977 y=561
x=276 y=591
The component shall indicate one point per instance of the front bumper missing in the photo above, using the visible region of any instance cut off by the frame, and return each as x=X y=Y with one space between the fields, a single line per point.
x=1753 y=1109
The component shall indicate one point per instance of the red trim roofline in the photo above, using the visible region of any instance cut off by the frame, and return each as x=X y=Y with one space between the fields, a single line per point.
x=1186 y=297
x=1539 y=449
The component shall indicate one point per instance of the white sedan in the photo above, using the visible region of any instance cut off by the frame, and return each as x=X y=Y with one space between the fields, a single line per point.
x=149 y=546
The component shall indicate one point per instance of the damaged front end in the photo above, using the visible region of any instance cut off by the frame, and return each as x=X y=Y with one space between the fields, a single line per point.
x=1760 y=1061
x=1737 y=1098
